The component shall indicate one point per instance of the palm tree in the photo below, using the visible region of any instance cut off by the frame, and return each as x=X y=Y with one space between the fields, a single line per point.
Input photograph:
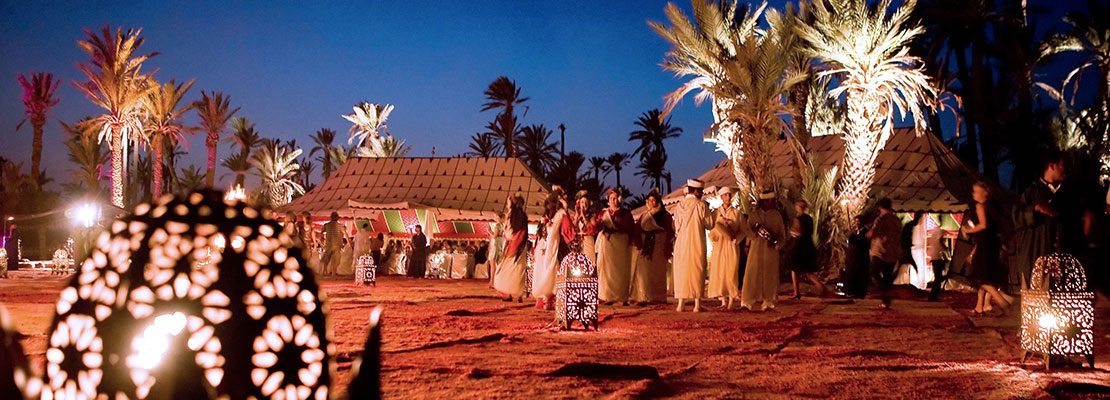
x=214 y=111
x=38 y=99
x=652 y=168
x=192 y=178
x=504 y=127
x=867 y=49
x=324 y=139
x=483 y=145
x=599 y=165
x=305 y=174
x=537 y=150
x=369 y=123
x=504 y=94
x=277 y=166
x=89 y=155
x=565 y=171
x=654 y=129
x=339 y=155
x=140 y=179
x=238 y=164
x=244 y=136
x=164 y=120
x=388 y=147
x=116 y=84
x=617 y=161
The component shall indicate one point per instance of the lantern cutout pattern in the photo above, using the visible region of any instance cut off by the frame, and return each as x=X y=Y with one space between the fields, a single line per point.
x=576 y=291
x=3 y=262
x=366 y=272
x=152 y=310
x=1057 y=311
x=61 y=264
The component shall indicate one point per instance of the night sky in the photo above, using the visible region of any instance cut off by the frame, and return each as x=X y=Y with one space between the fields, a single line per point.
x=295 y=68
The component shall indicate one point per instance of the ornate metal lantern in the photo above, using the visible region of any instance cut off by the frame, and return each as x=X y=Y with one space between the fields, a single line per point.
x=576 y=291
x=152 y=310
x=61 y=263
x=1057 y=311
x=366 y=272
x=3 y=262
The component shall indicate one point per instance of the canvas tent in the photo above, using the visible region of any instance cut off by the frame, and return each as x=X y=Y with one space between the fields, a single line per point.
x=455 y=197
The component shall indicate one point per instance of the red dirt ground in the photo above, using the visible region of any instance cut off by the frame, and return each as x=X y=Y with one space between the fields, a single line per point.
x=809 y=348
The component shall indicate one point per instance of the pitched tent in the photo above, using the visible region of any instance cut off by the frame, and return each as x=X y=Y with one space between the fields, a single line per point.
x=450 y=196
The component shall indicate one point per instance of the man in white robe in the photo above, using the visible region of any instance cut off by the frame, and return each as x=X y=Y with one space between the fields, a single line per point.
x=691 y=219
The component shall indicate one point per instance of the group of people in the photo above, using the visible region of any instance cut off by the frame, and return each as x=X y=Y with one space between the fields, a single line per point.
x=337 y=251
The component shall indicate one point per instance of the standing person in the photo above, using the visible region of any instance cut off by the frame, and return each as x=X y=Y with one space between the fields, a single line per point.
x=986 y=270
x=906 y=240
x=724 y=263
x=614 y=250
x=509 y=272
x=334 y=236
x=886 y=248
x=362 y=243
x=649 y=280
x=1047 y=213
x=585 y=221
x=937 y=251
x=376 y=246
x=558 y=233
x=691 y=219
x=800 y=253
x=767 y=234
x=857 y=261
x=419 y=260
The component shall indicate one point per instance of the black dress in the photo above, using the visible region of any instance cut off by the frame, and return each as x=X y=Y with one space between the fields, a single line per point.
x=986 y=267
x=417 y=264
x=857 y=264
x=800 y=252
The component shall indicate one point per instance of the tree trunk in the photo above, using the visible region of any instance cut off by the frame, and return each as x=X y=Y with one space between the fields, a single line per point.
x=618 y=176
x=117 y=168
x=988 y=140
x=970 y=151
x=157 y=166
x=211 y=142
x=36 y=149
x=862 y=144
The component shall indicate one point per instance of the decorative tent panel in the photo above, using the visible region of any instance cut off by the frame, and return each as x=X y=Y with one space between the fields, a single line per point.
x=918 y=173
x=454 y=189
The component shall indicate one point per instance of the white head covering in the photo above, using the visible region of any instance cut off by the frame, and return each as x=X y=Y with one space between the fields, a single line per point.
x=724 y=189
x=767 y=195
x=695 y=183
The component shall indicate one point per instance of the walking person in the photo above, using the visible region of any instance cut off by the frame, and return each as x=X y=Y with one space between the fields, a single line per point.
x=691 y=219
x=936 y=249
x=376 y=246
x=767 y=234
x=419 y=260
x=1048 y=213
x=800 y=254
x=509 y=273
x=362 y=243
x=614 y=250
x=649 y=280
x=985 y=269
x=724 y=262
x=886 y=249
x=334 y=235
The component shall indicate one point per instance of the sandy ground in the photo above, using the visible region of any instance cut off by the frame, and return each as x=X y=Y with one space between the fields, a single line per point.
x=454 y=339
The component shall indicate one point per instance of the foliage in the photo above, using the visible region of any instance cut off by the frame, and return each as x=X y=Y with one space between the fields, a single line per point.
x=191 y=178
x=617 y=161
x=87 y=154
x=369 y=123
x=503 y=93
x=483 y=145
x=38 y=98
x=324 y=140
x=214 y=111
x=277 y=166
x=537 y=150
x=163 y=122
x=388 y=147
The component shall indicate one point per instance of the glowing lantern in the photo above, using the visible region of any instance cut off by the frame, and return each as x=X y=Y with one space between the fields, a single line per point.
x=366 y=272
x=3 y=262
x=236 y=194
x=576 y=291
x=61 y=263
x=155 y=311
x=1057 y=311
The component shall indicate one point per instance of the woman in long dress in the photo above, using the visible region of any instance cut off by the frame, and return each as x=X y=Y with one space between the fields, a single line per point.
x=614 y=251
x=985 y=269
x=767 y=234
x=649 y=280
x=510 y=268
x=800 y=253
x=558 y=232
x=724 y=263
x=585 y=222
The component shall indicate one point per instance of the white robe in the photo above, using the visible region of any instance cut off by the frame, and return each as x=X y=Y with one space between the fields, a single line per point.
x=614 y=263
x=547 y=258
x=761 y=275
x=691 y=218
x=724 y=263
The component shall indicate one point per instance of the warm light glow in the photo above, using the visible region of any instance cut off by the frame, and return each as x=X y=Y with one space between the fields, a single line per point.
x=236 y=193
x=86 y=215
x=237 y=242
x=1047 y=321
x=219 y=242
x=152 y=344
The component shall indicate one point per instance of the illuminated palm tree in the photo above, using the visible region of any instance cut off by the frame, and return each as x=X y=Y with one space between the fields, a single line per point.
x=89 y=155
x=617 y=161
x=38 y=99
x=537 y=150
x=483 y=145
x=214 y=111
x=866 y=49
x=324 y=139
x=244 y=136
x=116 y=84
x=504 y=94
x=388 y=147
x=164 y=111
x=369 y=124
x=277 y=166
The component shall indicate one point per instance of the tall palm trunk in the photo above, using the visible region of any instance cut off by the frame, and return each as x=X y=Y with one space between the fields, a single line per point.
x=618 y=169
x=971 y=150
x=117 y=168
x=211 y=142
x=157 y=167
x=241 y=176
x=862 y=144
x=507 y=117
x=36 y=148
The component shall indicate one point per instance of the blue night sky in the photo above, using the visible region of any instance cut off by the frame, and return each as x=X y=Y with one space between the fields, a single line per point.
x=295 y=67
